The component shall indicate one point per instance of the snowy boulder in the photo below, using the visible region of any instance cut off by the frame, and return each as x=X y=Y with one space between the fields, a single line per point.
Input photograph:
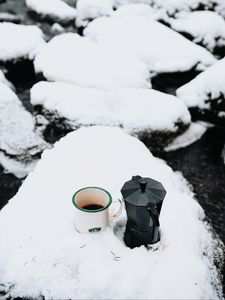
x=161 y=49
x=205 y=95
x=43 y=255
x=18 y=139
x=174 y=7
x=4 y=80
x=88 y=10
x=9 y=17
x=155 y=117
x=138 y=9
x=75 y=59
x=202 y=27
x=19 y=41
x=54 y=10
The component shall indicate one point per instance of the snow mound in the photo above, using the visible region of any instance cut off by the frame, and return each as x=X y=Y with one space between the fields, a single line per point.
x=75 y=59
x=19 y=41
x=44 y=255
x=172 y=7
x=4 y=80
x=205 y=27
x=207 y=86
x=135 y=110
x=118 y=3
x=159 y=47
x=17 y=136
x=54 y=9
x=138 y=9
x=88 y=10
x=190 y=136
x=206 y=93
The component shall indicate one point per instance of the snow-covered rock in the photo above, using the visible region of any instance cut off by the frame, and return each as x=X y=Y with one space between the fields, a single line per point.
x=57 y=10
x=155 y=117
x=17 y=128
x=75 y=59
x=19 y=41
x=162 y=50
x=138 y=9
x=205 y=94
x=172 y=7
x=191 y=135
x=88 y=10
x=118 y=3
x=42 y=254
x=204 y=27
x=4 y=80
x=9 y=17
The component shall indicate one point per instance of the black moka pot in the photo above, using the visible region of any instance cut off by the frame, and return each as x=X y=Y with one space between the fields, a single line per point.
x=143 y=201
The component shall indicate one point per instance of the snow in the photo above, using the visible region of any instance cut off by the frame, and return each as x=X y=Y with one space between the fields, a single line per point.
x=118 y=3
x=206 y=27
x=88 y=10
x=56 y=9
x=11 y=35
x=139 y=9
x=190 y=136
x=159 y=47
x=44 y=255
x=17 y=136
x=133 y=109
x=75 y=59
x=206 y=86
x=172 y=7
x=17 y=168
x=4 y=80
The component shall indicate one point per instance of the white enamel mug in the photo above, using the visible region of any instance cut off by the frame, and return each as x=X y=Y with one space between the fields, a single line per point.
x=92 y=209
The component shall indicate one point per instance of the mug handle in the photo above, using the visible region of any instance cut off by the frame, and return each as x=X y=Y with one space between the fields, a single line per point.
x=115 y=216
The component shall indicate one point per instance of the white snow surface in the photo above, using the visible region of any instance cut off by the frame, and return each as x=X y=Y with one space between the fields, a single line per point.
x=88 y=10
x=44 y=255
x=206 y=27
x=210 y=82
x=138 y=9
x=172 y=7
x=190 y=136
x=17 y=135
x=134 y=109
x=4 y=80
x=15 y=167
x=52 y=8
x=19 y=41
x=75 y=59
x=159 y=47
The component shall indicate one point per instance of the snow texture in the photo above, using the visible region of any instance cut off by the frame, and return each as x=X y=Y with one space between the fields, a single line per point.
x=19 y=41
x=4 y=80
x=206 y=87
x=55 y=9
x=135 y=110
x=17 y=136
x=44 y=255
x=17 y=168
x=138 y=9
x=159 y=47
x=205 y=27
x=172 y=7
x=75 y=59
x=88 y=10
x=190 y=136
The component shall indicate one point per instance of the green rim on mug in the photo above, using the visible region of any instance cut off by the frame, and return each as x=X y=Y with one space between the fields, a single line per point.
x=94 y=210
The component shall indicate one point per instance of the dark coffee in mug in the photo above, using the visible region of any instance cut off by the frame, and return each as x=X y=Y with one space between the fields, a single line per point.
x=92 y=206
